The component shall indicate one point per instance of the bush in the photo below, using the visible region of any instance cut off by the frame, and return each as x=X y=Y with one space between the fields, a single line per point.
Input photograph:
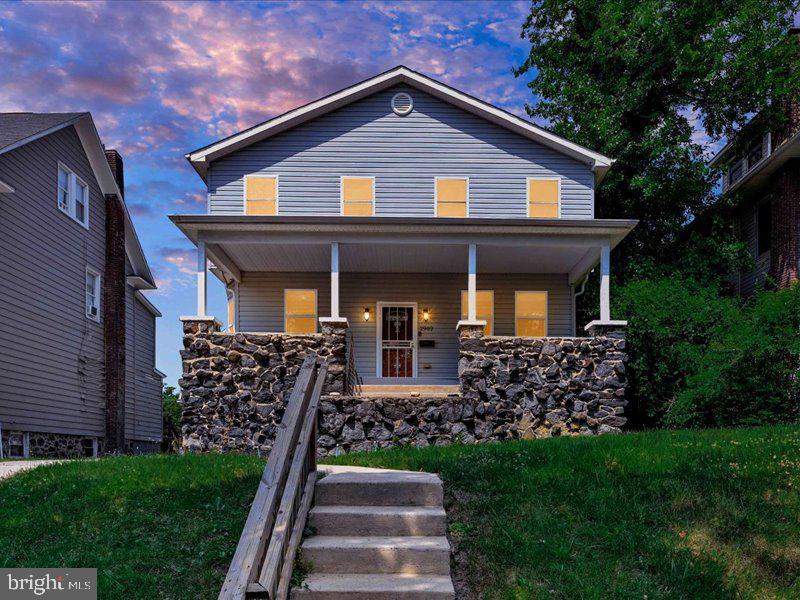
x=698 y=358
x=670 y=326
x=748 y=372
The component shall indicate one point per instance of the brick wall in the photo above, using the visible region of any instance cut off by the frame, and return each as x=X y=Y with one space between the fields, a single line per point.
x=785 y=190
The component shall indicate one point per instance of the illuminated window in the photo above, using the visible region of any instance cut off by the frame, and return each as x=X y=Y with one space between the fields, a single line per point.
x=358 y=196
x=484 y=308
x=530 y=314
x=300 y=311
x=451 y=196
x=261 y=195
x=543 y=198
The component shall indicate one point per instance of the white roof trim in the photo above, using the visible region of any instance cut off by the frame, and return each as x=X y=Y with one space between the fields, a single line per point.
x=147 y=304
x=201 y=157
x=5 y=188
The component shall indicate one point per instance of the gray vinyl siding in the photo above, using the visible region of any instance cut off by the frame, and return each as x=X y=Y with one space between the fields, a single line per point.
x=404 y=154
x=142 y=390
x=750 y=281
x=51 y=354
x=261 y=309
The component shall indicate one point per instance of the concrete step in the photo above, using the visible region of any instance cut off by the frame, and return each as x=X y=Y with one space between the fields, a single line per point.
x=376 y=587
x=416 y=555
x=390 y=488
x=378 y=520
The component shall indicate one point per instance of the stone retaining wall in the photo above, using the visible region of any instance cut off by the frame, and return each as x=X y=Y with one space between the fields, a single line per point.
x=235 y=386
x=539 y=387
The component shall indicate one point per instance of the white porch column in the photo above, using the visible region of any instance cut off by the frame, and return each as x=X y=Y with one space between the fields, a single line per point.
x=605 y=282
x=202 y=295
x=472 y=284
x=334 y=280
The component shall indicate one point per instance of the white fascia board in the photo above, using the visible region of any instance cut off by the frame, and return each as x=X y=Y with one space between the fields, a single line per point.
x=200 y=158
x=147 y=304
x=5 y=188
x=95 y=152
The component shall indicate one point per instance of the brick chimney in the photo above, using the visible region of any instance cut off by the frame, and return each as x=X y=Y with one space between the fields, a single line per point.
x=115 y=162
x=114 y=286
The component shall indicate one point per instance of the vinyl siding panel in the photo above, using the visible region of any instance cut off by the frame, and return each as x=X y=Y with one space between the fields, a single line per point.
x=404 y=154
x=51 y=355
x=261 y=309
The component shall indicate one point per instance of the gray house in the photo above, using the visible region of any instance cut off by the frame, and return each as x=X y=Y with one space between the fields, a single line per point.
x=77 y=338
x=401 y=209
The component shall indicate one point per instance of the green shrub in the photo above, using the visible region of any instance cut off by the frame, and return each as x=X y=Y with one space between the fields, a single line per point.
x=670 y=326
x=748 y=372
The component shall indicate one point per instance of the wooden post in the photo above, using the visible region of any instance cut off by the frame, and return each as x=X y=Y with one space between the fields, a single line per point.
x=202 y=293
x=334 y=280
x=472 y=284
x=605 y=283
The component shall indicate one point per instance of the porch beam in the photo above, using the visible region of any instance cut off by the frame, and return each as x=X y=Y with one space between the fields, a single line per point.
x=472 y=283
x=587 y=262
x=219 y=257
x=335 y=280
x=202 y=279
x=605 y=284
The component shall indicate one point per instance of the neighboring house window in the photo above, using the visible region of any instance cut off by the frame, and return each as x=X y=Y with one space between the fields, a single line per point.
x=484 y=308
x=544 y=198
x=764 y=225
x=300 y=311
x=530 y=314
x=736 y=172
x=358 y=196
x=261 y=195
x=452 y=196
x=73 y=195
x=92 y=294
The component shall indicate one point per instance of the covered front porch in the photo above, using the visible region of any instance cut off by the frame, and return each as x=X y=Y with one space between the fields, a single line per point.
x=403 y=287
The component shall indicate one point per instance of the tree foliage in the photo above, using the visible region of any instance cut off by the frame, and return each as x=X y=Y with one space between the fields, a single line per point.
x=635 y=80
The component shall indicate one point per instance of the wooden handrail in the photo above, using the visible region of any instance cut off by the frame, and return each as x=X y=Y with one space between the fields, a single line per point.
x=265 y=548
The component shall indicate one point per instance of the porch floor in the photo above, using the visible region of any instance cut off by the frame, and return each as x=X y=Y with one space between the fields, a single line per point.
x=408 y=391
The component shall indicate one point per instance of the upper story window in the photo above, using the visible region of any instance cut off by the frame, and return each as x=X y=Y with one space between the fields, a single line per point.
x=530 y=314
x=261 y=194
x=358 y=196
x=92 y=294
x=484 y=308
x=73 y=195
x=300 y=311
x=452 y=196
x=544 y=197
x=759 y=151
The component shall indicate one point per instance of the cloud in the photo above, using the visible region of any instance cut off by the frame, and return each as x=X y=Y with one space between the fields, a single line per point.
x=180 y=258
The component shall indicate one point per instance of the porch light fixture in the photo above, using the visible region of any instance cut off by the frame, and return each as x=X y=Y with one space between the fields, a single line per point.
x=366 y=314
x=426 y=314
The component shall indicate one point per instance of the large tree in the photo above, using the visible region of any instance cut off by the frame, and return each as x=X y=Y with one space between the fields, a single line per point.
x=639 y=80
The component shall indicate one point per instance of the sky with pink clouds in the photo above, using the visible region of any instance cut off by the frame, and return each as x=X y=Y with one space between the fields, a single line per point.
x=162 y=79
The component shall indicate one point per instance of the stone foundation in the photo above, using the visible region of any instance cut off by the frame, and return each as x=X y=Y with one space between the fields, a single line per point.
x=52 y=445
x=540 y=387
x=235 y=386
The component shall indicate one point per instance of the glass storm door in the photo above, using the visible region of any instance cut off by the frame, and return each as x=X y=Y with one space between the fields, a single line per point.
x=397 y=341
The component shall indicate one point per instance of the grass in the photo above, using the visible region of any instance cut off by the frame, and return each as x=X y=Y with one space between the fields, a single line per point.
x=711 y=514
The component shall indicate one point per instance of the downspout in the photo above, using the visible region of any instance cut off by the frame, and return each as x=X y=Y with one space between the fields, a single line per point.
x=574 y=298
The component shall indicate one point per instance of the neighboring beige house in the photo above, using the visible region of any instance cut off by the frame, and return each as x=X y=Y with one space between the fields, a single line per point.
x=406 y=208
x=77 y=338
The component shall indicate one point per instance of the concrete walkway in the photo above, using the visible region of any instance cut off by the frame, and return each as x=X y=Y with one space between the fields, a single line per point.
x=12 y=467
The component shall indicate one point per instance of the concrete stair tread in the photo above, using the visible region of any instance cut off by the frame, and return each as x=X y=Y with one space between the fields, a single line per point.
x=377 y=586
x=386 y=477
x=406 y=488
x=417 y=542
x=382 y=510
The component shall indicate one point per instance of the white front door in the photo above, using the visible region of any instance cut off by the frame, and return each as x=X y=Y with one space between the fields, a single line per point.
x=397 y=340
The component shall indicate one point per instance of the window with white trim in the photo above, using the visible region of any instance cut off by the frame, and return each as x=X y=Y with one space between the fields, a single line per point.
x=92 y=294
x=73 y=195
x=17 y=445
x=300 y=311
x=530 y=314
x=484 y=308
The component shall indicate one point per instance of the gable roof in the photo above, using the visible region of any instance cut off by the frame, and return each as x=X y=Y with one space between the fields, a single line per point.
x=201 y=157
x=18 y=129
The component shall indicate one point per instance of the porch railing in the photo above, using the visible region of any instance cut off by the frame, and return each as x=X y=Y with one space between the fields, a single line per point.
x=264 y=558
x=352 y=380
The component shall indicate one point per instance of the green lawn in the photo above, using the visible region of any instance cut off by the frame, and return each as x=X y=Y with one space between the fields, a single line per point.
x=712 y=514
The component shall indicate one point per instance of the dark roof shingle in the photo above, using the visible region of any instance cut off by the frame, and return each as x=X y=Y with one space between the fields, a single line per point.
x=15 y=127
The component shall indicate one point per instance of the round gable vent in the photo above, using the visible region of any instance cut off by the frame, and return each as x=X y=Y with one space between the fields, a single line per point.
x=402 y=104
